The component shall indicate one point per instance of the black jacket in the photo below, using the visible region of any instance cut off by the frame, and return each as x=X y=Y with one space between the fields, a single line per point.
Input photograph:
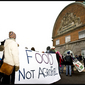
x=68 y=60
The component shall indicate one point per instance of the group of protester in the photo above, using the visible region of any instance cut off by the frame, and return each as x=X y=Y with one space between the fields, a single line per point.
x=11 y=57
x=64 y=61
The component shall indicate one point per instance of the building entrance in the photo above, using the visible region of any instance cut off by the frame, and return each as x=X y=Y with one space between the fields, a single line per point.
x=65 y=53
x=83 y=54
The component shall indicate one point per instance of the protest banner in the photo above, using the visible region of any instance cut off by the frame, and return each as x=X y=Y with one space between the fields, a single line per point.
x=78 y=65
x=37 y=68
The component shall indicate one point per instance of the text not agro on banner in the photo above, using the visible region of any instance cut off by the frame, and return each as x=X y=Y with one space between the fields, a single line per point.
x=37 y=68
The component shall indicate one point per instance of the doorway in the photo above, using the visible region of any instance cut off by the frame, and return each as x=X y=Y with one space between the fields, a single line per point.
x=65 y=53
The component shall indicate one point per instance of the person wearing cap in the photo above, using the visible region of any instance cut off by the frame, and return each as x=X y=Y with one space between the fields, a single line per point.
x=52 y=50
x=11 y=54
x=68 y=62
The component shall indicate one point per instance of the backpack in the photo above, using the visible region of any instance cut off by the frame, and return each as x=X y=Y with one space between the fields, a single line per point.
x=68 y=59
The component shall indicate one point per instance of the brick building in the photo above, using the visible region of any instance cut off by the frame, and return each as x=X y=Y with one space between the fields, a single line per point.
x=69 y=29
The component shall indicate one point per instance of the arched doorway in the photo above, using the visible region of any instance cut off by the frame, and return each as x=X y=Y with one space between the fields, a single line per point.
x=64 y=54
x=83 y=53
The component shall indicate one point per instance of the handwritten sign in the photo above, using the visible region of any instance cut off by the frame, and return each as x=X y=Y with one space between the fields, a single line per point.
x=79 y=66
x=37 y=68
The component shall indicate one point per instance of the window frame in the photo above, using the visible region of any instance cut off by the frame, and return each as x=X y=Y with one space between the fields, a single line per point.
x=57 y=41
x=81 y=34
x=66 y=40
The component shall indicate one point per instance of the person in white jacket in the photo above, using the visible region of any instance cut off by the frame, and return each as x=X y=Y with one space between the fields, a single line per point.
x=11 y=54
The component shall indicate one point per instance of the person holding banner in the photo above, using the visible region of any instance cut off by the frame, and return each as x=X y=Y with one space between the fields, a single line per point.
x=48 y=49
x=11 y=59
x=52 y=50
x=62 y=64
x=59 y=58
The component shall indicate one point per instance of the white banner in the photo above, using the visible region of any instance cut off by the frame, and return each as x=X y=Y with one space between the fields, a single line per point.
x=37 y=68
x=79 y=66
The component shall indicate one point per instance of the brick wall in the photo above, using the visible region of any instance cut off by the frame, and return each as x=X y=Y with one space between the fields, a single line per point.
x=77 y=9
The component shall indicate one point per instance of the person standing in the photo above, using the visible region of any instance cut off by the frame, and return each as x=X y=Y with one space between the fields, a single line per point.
x=84 y=60
x=77 y=57
x=11 y=54
x=59 y=57
x=72 y=63
x=68 y=61
x=48 y=49
x=52 y=50
x=62 y=64
x=80 y=57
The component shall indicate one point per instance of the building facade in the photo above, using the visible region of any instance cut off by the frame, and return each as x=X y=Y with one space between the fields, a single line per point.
x=69 y=29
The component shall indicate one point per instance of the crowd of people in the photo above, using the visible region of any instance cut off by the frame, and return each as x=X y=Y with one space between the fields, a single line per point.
x=11 y=57
x=65 y=61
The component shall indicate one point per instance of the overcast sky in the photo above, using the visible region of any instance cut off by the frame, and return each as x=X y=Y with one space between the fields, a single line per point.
x=32 y=21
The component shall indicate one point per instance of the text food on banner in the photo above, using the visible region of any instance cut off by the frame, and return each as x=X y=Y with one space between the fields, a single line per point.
x=37 y=68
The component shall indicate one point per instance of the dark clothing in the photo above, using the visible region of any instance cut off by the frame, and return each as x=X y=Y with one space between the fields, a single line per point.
x=2 y=43
x=80 y=57
x=1 y=62
x=7 y=79
x=63 y=61
x=72 y=64
x=59 y=62
x=84 y=62
x=52 y=51
x=77 y=57
x=48 y=48
x=57 y=56
x=68 y=60
x=12 y=76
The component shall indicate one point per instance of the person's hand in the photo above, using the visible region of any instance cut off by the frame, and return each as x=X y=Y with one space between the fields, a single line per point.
x=16 y=68
x=18 y=45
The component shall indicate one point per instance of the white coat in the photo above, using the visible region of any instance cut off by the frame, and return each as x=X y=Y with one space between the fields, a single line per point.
x=11 y=52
